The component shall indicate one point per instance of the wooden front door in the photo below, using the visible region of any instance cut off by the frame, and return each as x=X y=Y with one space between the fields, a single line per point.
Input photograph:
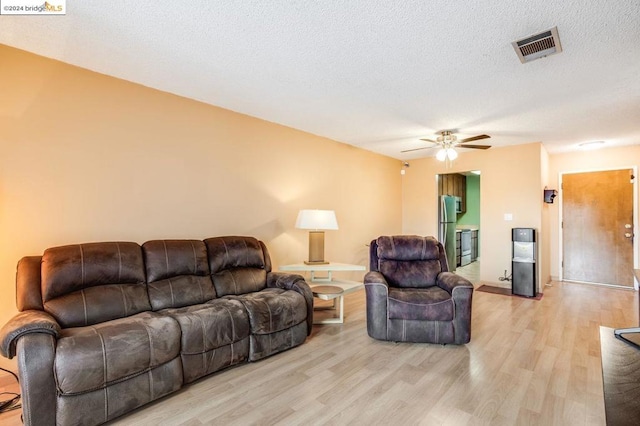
x=597 y=222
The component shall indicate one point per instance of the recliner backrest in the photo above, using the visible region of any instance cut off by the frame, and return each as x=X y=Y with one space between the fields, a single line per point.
x=408 y=260
x=84 y=284
x=238 y=265
x=177 y=273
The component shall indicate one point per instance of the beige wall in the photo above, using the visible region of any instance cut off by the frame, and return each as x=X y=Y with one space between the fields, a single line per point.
x=510 y=182
x=544 y=249
x=86 y=157
x=602 y=159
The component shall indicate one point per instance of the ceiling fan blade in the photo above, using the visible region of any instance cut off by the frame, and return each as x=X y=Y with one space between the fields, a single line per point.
x=474 y=138
x=428 y=140
x=475 y=146
x=417 y=149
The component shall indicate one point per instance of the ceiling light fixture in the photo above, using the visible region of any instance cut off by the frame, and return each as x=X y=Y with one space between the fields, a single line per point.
x=447 y=154
x=447 y=140
x=591 y=145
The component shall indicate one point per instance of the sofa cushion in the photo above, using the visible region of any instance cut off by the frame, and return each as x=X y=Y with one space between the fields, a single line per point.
x=177 y=273
x=94 y=357
x=215 y=335
x=433 y=303
x=264 y=345
x=84 y=284
x=238 y=265
x=273 y=309
x=210 y=325
x=102 y=405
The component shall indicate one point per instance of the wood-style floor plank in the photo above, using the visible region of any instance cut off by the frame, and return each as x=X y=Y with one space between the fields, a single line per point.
x=528 y=363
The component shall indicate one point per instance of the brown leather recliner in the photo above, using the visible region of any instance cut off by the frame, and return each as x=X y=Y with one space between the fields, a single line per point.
x=411 y=296
x=104 y=328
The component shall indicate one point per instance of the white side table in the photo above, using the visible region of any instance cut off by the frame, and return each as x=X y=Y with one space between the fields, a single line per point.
x=326 y=279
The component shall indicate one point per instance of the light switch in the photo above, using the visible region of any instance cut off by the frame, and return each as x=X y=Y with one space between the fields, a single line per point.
x=508 y=216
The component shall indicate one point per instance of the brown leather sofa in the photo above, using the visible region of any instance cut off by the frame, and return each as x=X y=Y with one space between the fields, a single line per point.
x=105 y=328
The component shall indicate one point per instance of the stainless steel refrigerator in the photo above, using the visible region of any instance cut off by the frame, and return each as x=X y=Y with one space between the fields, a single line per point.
x=447 y=234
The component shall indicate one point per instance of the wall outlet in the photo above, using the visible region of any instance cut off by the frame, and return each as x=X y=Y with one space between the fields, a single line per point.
x=508 y=216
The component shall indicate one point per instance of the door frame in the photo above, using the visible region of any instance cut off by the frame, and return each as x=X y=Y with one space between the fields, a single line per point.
x=635 y=219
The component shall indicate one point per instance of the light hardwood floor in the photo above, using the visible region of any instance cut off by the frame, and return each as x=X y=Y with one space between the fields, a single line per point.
x=528 y=362
x=470 y=272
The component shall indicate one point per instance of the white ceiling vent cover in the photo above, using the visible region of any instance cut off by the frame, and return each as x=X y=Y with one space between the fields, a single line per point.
x=538 y=45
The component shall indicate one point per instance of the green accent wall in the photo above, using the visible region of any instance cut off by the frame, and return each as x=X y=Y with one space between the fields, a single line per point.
x=472 y=215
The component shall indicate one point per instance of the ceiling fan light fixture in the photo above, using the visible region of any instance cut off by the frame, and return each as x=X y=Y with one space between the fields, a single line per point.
x=446 y=141
x=452 y=154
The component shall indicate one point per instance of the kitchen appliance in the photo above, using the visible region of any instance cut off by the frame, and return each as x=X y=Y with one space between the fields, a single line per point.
x=458 y=204
x=523 y=262
x=447 y=230
x=465 y=247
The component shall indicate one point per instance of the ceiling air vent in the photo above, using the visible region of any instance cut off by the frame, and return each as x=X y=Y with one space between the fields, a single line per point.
x=538 y=46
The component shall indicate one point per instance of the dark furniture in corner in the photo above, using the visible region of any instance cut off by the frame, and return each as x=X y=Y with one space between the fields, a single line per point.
x=621 y=379
x=412 y=297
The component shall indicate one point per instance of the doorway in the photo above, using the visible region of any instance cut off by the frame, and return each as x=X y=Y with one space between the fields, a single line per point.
x=464 y=240
x=597 y=227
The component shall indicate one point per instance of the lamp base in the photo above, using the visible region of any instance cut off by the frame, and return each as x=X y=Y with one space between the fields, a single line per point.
x=316 y=248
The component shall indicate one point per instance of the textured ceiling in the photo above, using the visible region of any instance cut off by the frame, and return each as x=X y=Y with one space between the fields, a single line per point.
x=375 y=74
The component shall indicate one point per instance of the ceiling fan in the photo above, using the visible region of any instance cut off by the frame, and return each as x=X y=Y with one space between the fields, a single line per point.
x=447 y=141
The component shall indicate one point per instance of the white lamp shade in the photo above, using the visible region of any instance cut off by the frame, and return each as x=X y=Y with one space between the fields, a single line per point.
x=317 y=219
x=442 y=154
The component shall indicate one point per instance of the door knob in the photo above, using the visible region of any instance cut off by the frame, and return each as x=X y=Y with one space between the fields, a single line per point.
x=628 y=234
x=627 y=226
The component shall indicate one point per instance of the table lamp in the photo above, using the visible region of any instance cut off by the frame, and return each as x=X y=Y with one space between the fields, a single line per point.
x=317 y=221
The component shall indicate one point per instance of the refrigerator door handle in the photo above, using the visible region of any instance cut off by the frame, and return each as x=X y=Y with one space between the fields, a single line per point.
x=443 y=211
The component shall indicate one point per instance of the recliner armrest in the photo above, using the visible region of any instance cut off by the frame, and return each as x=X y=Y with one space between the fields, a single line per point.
x=31 y=321
x=297 y=283
x=375 y=277
x=451 y=282
x=377 y=295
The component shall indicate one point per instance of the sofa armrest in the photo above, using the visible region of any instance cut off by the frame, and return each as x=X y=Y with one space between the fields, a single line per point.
x=377 y=292
x=36 y=356
x=297 y=283
x=453 y=283
x=26 y=322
